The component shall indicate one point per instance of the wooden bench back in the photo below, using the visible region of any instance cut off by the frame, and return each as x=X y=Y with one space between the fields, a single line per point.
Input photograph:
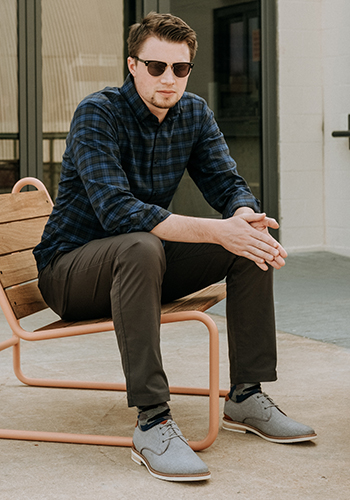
x=23 y=216
x=22 y=219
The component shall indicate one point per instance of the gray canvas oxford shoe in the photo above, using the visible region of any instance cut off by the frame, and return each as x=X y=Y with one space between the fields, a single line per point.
x=259 y=414
x=166 y=453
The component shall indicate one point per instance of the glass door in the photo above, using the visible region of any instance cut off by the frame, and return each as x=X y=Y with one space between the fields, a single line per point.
x=237 y=76
x=227 y=74
x=82 y=52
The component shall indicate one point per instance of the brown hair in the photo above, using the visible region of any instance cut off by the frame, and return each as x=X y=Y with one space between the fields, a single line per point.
x=163 y=26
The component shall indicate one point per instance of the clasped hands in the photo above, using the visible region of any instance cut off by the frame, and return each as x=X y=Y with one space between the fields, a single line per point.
x=254 y=241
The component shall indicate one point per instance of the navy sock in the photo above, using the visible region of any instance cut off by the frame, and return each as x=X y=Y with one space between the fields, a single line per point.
x=240 y=392
x=149 y=416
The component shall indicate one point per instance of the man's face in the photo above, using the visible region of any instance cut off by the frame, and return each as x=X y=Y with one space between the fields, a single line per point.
x=159 y=92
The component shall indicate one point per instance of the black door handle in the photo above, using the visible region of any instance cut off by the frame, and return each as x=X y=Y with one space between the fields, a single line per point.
x=343 y=133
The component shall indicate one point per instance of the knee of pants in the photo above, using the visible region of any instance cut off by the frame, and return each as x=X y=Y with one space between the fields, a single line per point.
x=144 y=253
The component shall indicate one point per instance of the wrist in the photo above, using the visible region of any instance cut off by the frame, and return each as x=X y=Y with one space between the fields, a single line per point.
x=244 y=210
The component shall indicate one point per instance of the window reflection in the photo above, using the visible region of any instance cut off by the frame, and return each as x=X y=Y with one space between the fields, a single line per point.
x=9 y=164
x=82 y=50
x=237 y=69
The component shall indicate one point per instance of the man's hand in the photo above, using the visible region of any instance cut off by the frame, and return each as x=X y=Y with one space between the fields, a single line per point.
x=262 y=225
x=245 y=234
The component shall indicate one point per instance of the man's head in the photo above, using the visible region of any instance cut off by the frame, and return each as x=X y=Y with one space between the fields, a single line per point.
x=161 y=49
x=165 y=27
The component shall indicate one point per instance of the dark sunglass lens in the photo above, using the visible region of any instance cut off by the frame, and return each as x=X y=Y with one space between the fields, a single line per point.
x=181 y=69
x=156 y=68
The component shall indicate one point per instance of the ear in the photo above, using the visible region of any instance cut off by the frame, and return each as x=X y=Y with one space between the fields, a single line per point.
x=131 y=65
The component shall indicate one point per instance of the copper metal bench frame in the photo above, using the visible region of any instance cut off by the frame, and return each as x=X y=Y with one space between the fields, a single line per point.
x=21 y=297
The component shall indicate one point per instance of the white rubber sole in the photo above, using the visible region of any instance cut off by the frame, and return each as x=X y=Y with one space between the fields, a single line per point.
x=140 y=460
x=230 y=425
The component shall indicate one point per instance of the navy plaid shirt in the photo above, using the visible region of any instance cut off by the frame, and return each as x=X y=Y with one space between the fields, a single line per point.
x=121 y=168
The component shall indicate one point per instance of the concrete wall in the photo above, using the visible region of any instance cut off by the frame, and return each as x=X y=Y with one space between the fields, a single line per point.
x=314 y=100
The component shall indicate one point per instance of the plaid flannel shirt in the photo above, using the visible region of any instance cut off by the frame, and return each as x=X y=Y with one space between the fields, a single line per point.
x=121 y=168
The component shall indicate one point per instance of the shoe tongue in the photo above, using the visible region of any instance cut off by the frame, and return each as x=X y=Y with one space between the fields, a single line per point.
x=164 y=422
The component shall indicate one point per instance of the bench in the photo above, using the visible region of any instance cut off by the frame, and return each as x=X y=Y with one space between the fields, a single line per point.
x=23 y=215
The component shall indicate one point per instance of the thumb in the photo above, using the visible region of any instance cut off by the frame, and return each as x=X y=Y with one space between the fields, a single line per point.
x=252 y=217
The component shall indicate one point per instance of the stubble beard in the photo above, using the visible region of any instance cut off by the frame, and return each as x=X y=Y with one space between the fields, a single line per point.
x=164 y=103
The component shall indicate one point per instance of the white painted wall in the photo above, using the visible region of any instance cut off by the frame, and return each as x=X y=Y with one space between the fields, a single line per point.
x=314 y=100
x=336 y=81
x=301 y=122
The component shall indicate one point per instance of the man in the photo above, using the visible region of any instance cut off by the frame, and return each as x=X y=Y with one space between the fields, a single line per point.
x=112 y=247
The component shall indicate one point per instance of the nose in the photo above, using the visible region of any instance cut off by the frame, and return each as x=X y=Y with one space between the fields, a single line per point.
x=168 y=76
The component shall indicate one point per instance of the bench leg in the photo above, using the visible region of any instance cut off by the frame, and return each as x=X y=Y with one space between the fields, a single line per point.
x=213 y=392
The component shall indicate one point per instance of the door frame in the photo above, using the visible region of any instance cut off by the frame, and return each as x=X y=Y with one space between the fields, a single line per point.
x=269 y=123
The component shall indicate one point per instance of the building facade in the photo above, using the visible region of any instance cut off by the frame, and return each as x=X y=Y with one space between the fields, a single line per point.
x=276 y=73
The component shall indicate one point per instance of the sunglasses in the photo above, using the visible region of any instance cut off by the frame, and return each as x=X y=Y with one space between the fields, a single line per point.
x=157 y=68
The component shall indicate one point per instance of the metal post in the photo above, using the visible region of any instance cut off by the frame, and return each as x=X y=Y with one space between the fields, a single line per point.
x=30 y=88
x=269 y=109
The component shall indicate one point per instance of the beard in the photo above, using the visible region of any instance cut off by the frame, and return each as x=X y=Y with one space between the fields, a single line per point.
x=163 y=102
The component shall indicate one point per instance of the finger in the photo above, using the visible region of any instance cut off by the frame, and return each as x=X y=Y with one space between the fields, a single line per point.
x=277 y=263
x=265 y=251
x=260 y=253
x=258 y=260
x=263 y=267
x=282 y=252
x=265 y=223
x=276 y=245
x=264 y=241
x=271 y=223
x=251 y=217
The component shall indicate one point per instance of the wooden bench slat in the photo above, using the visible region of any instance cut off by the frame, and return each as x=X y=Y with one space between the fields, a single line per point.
x=65 y=324
x=25 y=205
x=16 y=268
x=197 y=301
x=21 y=235
x=25 y=299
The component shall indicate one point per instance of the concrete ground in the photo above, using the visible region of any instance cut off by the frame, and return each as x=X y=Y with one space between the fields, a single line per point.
x=313 y=387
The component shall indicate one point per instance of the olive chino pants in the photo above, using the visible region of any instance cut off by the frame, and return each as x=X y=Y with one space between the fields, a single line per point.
x=129 y=276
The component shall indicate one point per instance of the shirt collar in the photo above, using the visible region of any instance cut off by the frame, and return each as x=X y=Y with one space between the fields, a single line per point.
x=129 y=92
